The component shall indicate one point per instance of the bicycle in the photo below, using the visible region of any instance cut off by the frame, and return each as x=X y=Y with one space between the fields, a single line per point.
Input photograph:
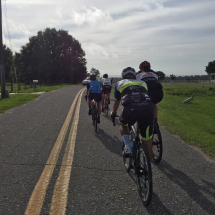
x=94 y=114
x=157 y=144
x=140 y=162
x=106 y=106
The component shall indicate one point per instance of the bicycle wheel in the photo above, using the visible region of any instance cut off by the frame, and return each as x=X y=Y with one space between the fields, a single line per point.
x=126 y=159
x=144 y=174
x=157 y=144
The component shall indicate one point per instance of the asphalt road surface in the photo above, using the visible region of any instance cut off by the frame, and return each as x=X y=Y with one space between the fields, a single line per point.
x=52 y=162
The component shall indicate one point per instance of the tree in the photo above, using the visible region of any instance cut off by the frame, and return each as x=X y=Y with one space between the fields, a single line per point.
x=8 y=61
x=95 y=71
x=210 y=68
x=173 y=77
x=51 y=56
x=161 y=75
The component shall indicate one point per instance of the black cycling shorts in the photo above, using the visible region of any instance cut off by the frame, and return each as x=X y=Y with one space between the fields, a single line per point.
x=144 y=116
x=106 y=89
x=155 y=91
x=96 y=96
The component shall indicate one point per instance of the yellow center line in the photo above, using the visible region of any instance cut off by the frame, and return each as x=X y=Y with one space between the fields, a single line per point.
x=60 y=194
x=37 y=198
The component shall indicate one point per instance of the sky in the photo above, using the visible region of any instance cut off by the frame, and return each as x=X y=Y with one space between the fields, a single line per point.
x=176 y=37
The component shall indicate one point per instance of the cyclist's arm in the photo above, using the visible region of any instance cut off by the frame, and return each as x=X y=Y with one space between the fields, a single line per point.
x=115 y=106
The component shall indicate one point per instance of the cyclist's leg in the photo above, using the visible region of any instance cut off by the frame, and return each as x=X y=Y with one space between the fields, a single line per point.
x=103 y=98
x=89 y=101
x=126 y=118
x=146 y=127
x=155 y=111
x=98 y=99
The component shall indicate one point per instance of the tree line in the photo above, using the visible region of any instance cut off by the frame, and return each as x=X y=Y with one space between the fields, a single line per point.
x=50 y=57
x=54 y=56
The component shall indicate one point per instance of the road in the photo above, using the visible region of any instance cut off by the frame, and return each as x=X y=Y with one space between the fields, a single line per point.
x=52 y=162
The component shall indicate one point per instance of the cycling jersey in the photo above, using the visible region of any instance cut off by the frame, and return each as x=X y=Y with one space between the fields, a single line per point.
x=137 y=105
x=94 y=86
x=106 y=81
x=147 y=75
x=131 y=91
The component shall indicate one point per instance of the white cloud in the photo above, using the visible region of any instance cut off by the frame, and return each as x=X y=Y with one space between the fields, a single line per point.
x=172 y=35
x=91 y=16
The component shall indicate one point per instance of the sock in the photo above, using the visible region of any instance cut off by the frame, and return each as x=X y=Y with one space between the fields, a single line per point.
x=126 y=140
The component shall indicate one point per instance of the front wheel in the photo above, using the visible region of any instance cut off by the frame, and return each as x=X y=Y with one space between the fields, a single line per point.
x=144 y=175
x=157 y=144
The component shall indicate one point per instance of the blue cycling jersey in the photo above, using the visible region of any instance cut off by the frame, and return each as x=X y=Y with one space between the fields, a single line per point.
x=94 y=86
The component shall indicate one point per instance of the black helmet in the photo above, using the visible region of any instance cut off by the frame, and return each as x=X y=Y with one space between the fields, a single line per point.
x=92 y=76
x=128 y=73
x=105 y=76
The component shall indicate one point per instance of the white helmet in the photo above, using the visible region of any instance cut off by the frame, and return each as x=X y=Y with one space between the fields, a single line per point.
x=128 y=73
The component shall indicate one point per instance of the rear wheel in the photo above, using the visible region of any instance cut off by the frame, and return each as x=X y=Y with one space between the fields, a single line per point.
x=157 y=144
x=144 y=175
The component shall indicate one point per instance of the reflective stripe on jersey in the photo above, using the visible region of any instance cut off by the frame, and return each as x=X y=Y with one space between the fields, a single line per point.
x=121 y=85
x=129 y=84
x=147 y=74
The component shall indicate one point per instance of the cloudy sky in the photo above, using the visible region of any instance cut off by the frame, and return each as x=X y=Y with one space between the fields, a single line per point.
x=175 y=36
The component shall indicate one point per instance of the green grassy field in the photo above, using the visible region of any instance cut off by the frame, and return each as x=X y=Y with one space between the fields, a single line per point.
x=28 y=89
x=19 y=99
x=193 y=121
x=15 y=100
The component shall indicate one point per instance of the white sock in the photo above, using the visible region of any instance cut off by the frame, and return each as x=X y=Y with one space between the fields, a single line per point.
x=126 y=140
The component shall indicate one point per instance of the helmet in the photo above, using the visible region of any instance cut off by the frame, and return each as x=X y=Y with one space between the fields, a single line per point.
x=128 y=73
x=144 y=64
x=92 y=76
x=105 y=76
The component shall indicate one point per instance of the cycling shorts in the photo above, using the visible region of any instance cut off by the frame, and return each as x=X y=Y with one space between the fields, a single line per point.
x=155 y=91
x=143 y=115
x=106 y=89
x=96 y=96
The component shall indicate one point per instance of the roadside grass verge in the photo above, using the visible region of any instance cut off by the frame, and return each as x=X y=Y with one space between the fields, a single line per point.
x=193 y=121
x=43 y=88
x=19 y=99
x=15 y=101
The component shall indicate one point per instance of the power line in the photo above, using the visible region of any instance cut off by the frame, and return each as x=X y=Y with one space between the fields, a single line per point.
x=7 y=25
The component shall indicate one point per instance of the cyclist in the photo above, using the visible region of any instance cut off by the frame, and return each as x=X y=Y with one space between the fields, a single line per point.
x=134 y=97
x=155 y=89
x=106 y=89
x=94 y=92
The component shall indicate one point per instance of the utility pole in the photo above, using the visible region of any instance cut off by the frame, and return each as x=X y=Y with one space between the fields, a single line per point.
x=1 y=58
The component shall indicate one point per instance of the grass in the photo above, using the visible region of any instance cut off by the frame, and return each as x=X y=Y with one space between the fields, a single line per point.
x=15 y=101
x=19 y=99
x=193 y=121
x=29 y=89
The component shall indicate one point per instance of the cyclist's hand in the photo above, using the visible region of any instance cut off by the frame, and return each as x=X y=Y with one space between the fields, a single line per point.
x=112 y=115
x=85 y=97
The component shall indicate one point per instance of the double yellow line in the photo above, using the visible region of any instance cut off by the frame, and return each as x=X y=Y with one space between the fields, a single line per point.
x=59 y=198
